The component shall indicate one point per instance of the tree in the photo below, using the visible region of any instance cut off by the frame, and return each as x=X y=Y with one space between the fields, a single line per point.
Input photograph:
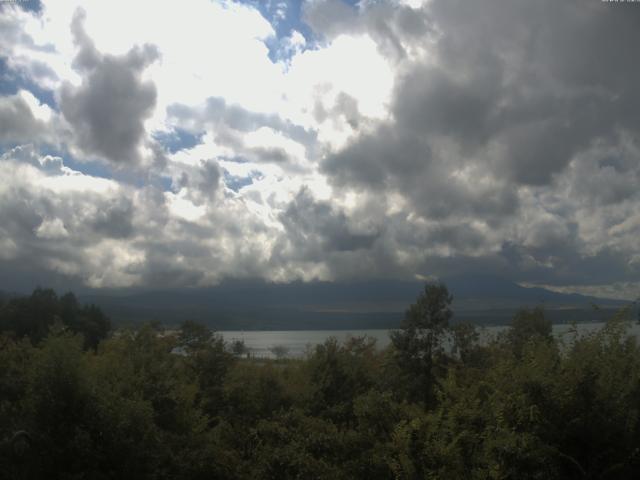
x=418 y=343
x=279 y=351
x=528 y=325
x=338 y=374
x=208 y=359
x=465 y=342
x=239 y=348
x=93 y=325
x=35 y=315
x=30 y=316
x=194 y=335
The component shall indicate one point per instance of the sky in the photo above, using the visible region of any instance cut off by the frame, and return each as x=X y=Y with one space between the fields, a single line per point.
x=178 y=144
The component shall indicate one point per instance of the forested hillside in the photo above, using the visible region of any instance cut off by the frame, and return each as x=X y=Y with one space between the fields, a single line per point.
x=78 y=401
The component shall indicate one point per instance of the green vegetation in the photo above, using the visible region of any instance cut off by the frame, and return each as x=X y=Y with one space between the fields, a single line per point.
x=76 y=403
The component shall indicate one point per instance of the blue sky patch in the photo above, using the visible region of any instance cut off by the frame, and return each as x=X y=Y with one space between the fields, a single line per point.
x=99 y=169
x=165 y=183
x=236 y=183
x=285 y=16
x=93 y=168
x=31 y=5
x=28 y=5
x=11 y=81
x=178 y=139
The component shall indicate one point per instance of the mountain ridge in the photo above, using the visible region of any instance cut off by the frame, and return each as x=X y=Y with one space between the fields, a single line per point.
x=257 y=305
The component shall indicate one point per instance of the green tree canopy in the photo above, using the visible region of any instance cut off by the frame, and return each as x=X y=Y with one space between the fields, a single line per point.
x=419 y=342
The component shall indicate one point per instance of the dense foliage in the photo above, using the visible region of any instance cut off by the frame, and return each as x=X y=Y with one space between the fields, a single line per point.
x=436 y=404
x=35 y=315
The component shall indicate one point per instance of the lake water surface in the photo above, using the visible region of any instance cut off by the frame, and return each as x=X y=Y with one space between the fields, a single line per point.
x=296 y=343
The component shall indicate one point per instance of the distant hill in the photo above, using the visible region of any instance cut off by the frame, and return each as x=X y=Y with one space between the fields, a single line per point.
x=489 y=292
x=258 y=305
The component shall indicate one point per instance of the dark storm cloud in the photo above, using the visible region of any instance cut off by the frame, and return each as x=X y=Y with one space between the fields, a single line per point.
x=524 y=120
x=541 y=82
x=109 y=109
x=319 y=227
x=558 y=85
x=431 y=101
x=162 y=272
x=116 y=221
x=567 y=265
x=373 y=160
x=392 y=159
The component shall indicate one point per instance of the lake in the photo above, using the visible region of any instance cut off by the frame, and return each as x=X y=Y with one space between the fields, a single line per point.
x=297 y=343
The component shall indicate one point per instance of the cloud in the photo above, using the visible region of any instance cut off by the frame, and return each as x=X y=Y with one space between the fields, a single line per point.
x=330 y=17
x=18 y=123
x=116 y=220
x=477 y=89
x=496 y=127
x=250 y=136
x=317 y=226
x=52 y=229
x=202 y=183
x=399 y=29
x=60 y=223
x=107 y=112
x=397 y=140
x=52 y=215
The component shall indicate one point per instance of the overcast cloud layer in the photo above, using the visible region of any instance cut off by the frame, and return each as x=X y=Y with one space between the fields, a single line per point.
x=162 y=144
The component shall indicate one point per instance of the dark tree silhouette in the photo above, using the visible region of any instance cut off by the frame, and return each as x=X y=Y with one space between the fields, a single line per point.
x=33 y=317
x=418 y=343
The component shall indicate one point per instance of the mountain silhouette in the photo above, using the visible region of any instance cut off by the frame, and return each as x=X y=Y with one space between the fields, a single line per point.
x=256 y=304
